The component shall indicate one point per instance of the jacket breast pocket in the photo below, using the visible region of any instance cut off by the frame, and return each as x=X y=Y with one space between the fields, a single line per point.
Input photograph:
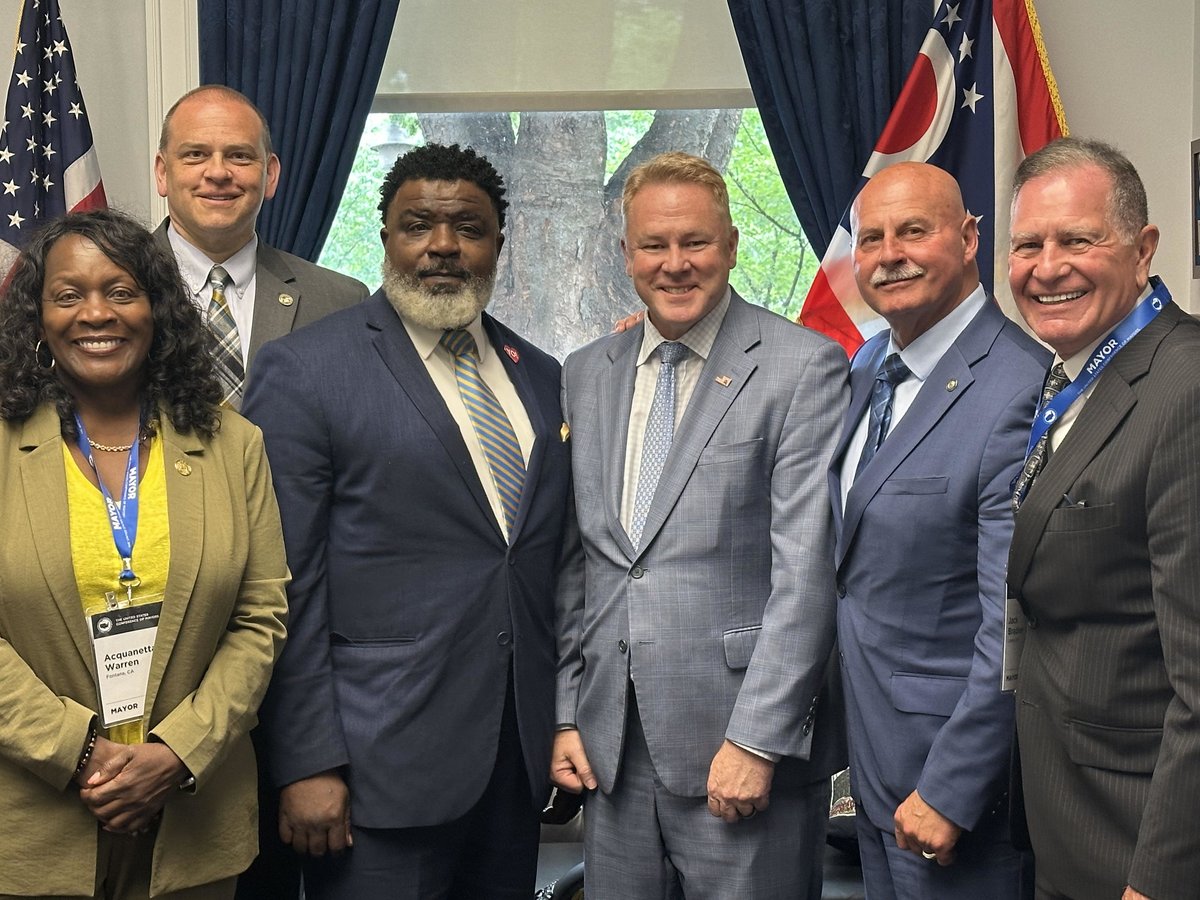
x=931 y=695
x=728 y=453
x=1083 y=518
x=739 y=645
x=1109 y=747
x=937 y=484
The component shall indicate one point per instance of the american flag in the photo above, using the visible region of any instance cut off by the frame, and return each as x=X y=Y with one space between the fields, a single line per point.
x=48 y=162
x=979 y=99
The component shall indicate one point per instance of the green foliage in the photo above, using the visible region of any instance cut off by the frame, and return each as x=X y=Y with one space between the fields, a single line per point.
x=353 y=245
x=775 y=263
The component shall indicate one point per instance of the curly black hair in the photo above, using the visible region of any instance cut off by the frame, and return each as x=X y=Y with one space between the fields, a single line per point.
x=436 y=162
x=180 y=376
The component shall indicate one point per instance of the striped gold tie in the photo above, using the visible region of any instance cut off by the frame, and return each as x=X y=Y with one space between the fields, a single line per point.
x=228 y=351
x=492 y=426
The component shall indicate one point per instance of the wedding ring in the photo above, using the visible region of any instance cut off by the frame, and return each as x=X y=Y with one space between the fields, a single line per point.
x=928 y=855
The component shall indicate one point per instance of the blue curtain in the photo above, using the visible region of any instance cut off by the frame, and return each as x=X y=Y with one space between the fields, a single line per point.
x=825 y=74
x=312 y=67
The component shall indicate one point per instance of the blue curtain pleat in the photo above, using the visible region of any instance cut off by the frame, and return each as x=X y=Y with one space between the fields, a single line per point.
x=312 y=66
x=825 y=74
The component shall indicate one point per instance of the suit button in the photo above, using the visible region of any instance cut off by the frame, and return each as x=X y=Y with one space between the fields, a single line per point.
x=806 y=728
x=841 y=590
x=637 y=572
x=1032 y=620
x=504 y=639
x=512 y=559
x=622 y=646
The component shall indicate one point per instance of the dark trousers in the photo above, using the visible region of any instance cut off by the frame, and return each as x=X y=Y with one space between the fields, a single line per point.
x=488 y=854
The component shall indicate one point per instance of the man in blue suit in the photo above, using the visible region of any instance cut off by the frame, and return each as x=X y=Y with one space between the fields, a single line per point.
x=939 y=416
x=416 y=451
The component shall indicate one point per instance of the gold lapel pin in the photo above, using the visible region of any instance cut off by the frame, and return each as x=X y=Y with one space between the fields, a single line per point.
x=286 y=299
x=183 y=467
x=565 y=432
x=951 y=384
x=724 y=380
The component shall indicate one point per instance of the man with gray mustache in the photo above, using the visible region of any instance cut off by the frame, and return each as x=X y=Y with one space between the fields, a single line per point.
x=920 y=482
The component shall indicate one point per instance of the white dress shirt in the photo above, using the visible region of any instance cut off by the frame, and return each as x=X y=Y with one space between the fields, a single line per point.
x=921 y=356
x=699 y=340
x=440 y=365
x=242 y=267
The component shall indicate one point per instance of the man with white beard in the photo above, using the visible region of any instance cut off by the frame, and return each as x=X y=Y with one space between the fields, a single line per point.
x=422 y=472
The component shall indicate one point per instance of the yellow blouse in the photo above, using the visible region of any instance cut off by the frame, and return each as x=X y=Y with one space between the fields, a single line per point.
x=95 y=558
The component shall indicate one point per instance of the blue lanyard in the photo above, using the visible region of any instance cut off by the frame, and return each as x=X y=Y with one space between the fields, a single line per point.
x=122 y=514
x=1127 y=329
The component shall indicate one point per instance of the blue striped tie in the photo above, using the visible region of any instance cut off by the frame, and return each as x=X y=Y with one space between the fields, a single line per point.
x=495 y=432
x=891 y=373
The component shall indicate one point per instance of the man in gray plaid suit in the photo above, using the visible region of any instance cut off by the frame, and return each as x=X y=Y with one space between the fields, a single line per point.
x=696 y=638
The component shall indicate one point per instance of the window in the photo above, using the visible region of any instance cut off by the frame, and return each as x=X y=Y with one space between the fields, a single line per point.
x=665 y=74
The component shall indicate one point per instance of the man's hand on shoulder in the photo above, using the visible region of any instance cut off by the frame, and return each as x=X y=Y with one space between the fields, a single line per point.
x=569 y=766
x=921 y=829
x=739 y=783
x=314 y=814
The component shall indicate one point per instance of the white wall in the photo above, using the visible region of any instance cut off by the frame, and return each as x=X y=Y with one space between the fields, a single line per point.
x=1128 y=75
x=1127 y=72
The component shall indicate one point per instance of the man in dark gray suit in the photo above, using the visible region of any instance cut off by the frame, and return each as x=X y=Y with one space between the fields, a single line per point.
x=921 y=485
x=1105 y=556
x=215 y=166
x=694 y=649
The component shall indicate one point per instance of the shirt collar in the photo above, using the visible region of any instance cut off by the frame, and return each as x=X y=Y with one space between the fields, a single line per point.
x=194 y=265
x=699 y=338
x=1075 y=363
x=427 y=340
x=922 y=354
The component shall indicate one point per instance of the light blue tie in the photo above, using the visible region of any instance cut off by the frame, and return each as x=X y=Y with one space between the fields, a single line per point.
x=495 y=432
x=660 y=431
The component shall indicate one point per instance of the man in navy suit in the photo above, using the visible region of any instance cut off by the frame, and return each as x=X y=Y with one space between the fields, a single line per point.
x=936 y=430
x=417 y=454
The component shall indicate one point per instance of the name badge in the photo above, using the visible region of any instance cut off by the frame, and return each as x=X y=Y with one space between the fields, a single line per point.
x=123 y=645
x=1015 y=627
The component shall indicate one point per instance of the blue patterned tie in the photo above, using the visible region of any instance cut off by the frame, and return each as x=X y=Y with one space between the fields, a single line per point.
x=495 y=432
x=1055 y=382
x=891 y=373
x=228 y=353
x=660 y=431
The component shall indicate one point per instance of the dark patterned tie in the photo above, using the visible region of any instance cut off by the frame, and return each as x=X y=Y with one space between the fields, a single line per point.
x=660 y=431
x=891 y=373
x=228 y=353
x=494 y=430
x=1055 y=382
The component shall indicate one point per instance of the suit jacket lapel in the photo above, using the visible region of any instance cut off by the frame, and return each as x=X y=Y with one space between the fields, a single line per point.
x=950 y=379
x=45 y=485
x=862 y=379
x=185 y=515
x=708 y=405
x=542 y=430
x=1110 y=402
x=614 y=401
x=273 y=280
x=395 y=348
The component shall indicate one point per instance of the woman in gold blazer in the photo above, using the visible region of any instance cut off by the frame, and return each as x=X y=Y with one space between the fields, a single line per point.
x=101 y=343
